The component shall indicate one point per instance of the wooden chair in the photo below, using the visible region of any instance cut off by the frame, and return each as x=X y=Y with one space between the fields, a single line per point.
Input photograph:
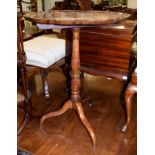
x=23 y=94
x=130 y=91
x=29 y=29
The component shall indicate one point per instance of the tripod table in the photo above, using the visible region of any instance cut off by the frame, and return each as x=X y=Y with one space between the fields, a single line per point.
x=74 y=19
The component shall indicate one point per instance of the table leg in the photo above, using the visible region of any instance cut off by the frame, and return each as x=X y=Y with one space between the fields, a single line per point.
x=75 y=102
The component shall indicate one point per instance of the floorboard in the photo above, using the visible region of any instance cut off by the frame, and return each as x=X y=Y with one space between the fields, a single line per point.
x=65 y=135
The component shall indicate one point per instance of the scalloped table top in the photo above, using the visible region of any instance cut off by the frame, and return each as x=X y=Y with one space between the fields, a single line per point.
x=74 y=17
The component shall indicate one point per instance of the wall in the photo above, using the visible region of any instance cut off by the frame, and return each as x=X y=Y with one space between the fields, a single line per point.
x=39 y=5
x=47 y=5
x=132 y=4
x=26 y=6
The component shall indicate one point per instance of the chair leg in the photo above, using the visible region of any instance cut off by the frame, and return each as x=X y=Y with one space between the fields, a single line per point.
x=44 y=74
x=26 y=116
x=28 y=107
x=131 y=90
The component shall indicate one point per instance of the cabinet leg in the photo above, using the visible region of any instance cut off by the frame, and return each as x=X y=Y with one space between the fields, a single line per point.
x=131 y=90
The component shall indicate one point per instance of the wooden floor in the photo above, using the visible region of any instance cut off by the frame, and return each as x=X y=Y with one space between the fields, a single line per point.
x=65 y=135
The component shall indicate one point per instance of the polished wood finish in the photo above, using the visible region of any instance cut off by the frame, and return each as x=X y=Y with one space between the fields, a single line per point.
x=131 y=90
x=23 y=96
x=108 y=51
x=64 y=135
x=76 y=19
x=22 y=103
x=115 y=51
x=75 y=102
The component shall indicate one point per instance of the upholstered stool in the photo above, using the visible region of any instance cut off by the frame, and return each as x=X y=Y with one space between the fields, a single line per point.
x=44 y=51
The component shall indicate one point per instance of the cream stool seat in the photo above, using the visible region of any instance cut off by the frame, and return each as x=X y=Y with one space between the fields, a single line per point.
x=45 y=50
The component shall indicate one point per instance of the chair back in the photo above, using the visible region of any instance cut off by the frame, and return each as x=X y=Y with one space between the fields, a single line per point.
x=21 y=61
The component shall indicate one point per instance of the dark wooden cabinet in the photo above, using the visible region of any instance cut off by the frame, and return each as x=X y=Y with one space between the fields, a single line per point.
x=108 y=51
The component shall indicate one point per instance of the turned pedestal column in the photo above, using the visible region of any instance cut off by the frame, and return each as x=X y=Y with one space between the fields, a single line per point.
x=74 y=102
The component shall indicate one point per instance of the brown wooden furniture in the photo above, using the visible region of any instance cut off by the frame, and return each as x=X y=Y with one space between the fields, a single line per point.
x=45 y=52
x=108 y=51
x=75 y=19
x=31 y=39
x=81 y=4
x=132 y=12
x=130 y=91
x=22 y=103
x=73 y=5
x=23 y=94
x=31 y=6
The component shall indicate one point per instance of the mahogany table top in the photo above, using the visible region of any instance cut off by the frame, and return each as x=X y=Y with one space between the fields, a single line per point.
x=76 y=17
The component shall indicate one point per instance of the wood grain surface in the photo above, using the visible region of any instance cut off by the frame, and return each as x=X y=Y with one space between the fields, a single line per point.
x=64 y=135
x=76 y=17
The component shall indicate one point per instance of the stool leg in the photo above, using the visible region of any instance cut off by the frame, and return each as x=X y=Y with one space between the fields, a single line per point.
x=44 y=74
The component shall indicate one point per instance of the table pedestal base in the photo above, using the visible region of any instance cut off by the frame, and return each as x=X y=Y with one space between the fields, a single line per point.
x=79 y=109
